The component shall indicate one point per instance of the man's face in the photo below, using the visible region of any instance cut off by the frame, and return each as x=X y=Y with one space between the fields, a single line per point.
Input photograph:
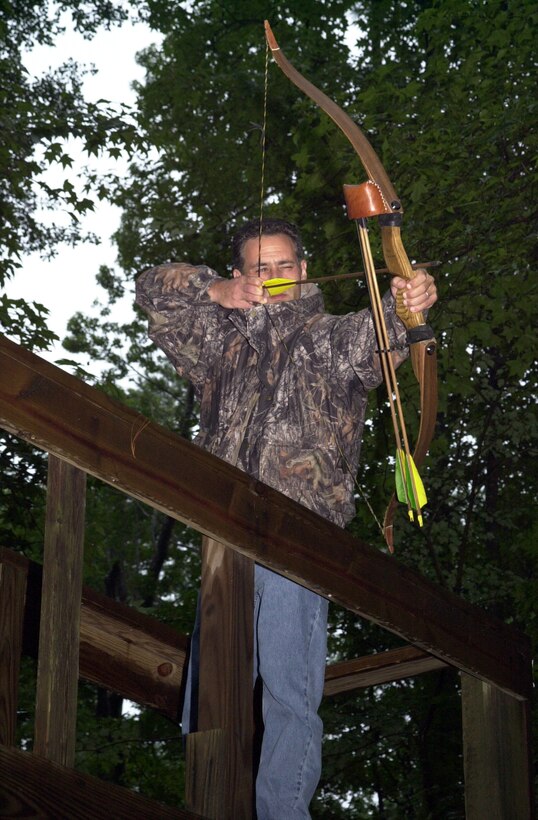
x=276 y=258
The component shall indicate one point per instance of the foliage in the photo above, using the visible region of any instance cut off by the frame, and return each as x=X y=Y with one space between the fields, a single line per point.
x=40 y=119
x=40 y=116
x=445 y=91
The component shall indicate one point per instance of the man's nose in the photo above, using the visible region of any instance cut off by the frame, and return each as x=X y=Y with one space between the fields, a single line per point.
x=269 y=272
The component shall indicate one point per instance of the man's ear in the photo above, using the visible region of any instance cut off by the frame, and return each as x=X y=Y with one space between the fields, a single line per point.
x=236 y=273
x=303 y=268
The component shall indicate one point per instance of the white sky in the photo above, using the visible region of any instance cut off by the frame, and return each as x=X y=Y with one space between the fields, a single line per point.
x=67 y=284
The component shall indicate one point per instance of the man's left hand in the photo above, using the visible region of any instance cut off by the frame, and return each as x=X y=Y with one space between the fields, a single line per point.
x=419 y=293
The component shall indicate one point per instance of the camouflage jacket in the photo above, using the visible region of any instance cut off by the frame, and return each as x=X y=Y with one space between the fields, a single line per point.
x=282 y=388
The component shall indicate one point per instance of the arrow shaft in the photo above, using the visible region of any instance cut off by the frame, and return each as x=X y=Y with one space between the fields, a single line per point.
x=319 y=280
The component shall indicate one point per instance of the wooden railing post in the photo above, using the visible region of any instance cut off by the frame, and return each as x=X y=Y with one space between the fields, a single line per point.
x=57 y=677
x=12 y=596
x=496 y=756
x=219 y=755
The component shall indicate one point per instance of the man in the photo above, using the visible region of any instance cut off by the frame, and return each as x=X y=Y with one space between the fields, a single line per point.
x=283 y=389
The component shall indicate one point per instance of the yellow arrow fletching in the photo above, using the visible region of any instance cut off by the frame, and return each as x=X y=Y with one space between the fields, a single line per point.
x=276 y=286
x=417 y=484
x=408 y=481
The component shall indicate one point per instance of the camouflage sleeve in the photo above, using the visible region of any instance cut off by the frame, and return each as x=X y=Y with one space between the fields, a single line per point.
x=356 y=347
x=183 y=321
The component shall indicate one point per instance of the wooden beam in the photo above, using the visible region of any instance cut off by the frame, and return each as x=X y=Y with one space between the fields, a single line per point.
x=120 y=648
x=132 y=654
x=31 y=786
x=496 y=744
x=374 y=670
x=12 y=597
x=57 y=412
x=57 y=669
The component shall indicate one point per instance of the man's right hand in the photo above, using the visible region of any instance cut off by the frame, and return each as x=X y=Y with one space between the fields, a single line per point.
x=241 y=292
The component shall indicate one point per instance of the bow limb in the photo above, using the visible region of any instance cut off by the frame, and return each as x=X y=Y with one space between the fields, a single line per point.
x=366 y=153
x=379 y=198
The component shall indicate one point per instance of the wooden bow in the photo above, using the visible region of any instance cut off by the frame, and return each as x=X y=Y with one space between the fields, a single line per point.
x=377 y=197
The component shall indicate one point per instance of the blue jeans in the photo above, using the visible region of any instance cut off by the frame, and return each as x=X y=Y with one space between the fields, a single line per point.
x=290 y=648
x=290 y=626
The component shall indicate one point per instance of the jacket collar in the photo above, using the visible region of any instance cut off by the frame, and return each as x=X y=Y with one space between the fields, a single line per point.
x=263 y=323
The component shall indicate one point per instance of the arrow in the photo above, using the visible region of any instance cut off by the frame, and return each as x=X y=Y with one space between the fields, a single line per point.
x=284 y=284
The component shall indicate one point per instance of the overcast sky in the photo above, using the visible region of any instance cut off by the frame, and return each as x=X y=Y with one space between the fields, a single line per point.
x=67 y=284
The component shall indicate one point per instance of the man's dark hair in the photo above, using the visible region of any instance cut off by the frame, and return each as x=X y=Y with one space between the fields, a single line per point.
x=269 y=227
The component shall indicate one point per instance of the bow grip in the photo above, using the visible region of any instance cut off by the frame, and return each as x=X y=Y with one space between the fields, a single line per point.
x=367 y=200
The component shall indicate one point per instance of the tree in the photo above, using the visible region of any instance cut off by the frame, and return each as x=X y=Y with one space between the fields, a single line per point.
x=39 y=117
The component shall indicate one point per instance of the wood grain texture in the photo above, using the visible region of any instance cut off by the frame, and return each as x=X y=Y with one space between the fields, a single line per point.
x=496 y=744
x=226 y=691
x=128 y=660
x=205 y=773
x=57 y=669
x=57 y=412
x=12 y=598
x=383 y=667
x=32 y=787
x=121 y=649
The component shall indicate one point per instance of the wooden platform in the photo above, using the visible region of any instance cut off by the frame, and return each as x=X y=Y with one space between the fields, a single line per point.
x=86 y=432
